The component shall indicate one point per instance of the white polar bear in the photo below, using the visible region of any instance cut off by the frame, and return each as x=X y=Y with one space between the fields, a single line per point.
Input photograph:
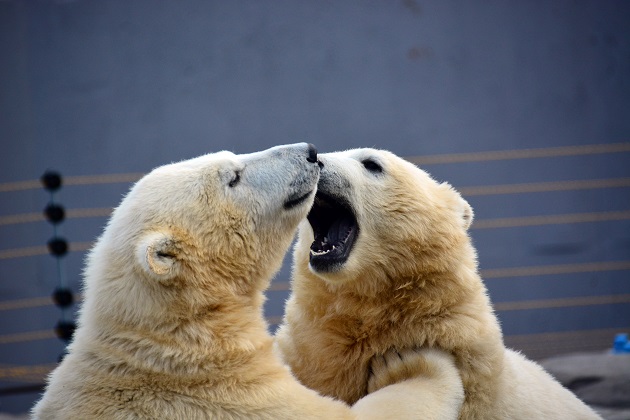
x=385 y=261
x=172 y=326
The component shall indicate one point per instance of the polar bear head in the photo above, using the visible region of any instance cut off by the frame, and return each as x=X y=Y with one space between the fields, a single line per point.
x=194 y=236
x=377 y=217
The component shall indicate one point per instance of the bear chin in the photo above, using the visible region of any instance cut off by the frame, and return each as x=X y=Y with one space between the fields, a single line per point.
x=335 y=229
x=294 y=200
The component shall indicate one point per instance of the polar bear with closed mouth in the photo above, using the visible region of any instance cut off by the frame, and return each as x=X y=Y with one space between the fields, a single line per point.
x=171 y=326
x=384 y=261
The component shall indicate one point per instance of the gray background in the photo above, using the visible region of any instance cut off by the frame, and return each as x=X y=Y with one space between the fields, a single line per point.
x=103 y=91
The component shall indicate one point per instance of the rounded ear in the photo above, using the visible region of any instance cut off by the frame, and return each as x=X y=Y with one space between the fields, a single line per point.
x=467 y=213
x=157 y=254
x=461 y=206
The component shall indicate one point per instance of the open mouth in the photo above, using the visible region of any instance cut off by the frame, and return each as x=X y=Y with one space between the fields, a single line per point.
x=335 y=229
x=295 y=201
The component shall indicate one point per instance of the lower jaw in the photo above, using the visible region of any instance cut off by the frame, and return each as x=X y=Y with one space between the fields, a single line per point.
x=326 y=266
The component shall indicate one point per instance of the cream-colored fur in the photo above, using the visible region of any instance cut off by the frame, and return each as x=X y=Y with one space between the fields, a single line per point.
x=411 y=280
x=172 y=324
x=434 y=391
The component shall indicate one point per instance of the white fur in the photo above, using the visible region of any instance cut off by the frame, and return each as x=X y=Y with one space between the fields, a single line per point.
x=410 y=281
x=172 y=325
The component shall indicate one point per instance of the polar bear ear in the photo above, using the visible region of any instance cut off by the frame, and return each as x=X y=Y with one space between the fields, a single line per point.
x=459 y=205
x=157 y=255
x=467 y=213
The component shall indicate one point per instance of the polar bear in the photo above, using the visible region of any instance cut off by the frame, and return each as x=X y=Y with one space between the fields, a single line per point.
x=171 y=326
x=385 y=261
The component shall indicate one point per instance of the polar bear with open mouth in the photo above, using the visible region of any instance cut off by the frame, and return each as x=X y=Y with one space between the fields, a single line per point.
x=384 y=261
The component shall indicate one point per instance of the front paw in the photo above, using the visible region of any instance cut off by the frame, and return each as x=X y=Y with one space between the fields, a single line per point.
x=412 y=384
x=399 y=365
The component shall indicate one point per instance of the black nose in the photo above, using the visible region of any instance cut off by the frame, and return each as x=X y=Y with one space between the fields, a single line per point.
x=312 y=153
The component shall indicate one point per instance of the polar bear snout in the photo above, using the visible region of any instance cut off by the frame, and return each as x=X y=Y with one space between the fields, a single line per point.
x=278 y=181
x=304 y=184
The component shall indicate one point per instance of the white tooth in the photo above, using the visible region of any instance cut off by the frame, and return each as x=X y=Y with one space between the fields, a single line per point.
x=317 y=253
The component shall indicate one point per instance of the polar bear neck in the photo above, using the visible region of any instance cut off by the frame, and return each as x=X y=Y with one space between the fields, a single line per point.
x=355 y=327
x=192 y=345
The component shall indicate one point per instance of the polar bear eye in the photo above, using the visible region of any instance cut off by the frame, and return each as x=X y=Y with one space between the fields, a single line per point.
x=235 y=180
x=372 y=166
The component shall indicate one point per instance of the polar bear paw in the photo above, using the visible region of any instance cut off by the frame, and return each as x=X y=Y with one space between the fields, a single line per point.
x=399 y=365
x=412 y=383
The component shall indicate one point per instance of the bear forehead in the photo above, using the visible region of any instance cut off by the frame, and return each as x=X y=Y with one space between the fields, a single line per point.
x=405 y=173
x=179 y=177
x=176 y=192
x=197 y=166
x=383 y=157
x=359 y=154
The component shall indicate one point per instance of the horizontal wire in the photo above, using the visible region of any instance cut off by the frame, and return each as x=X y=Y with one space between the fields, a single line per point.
x=13 y=304
x=20 y=185
x=8 y=372
x=14 y=219
x=556 y=219
x=562 y=302
x=589 y=149
x=72 y=180
x=89 y=212
x=27 y=336
x=32 y=251
x=543 y=345
x=565 y=335
x=279 y=286
x=547 y=270
x=70 y=214
x=552 y=186
x=102 y=179
x=275 y=319
x=9 y=305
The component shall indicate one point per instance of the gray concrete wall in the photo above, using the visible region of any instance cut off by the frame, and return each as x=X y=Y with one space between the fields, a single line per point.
x=92 y=88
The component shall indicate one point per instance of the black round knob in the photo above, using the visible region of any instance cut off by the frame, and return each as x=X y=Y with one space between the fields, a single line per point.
x=51 y=180
x=65 y=329
x=54 y=213
x=62 y=297
x=58 y=247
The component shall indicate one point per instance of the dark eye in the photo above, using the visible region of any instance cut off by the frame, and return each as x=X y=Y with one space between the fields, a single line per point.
x=235 y=180
x=372 y=166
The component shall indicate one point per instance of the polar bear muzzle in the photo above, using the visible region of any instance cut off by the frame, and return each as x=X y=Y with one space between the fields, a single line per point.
x=335 y=229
